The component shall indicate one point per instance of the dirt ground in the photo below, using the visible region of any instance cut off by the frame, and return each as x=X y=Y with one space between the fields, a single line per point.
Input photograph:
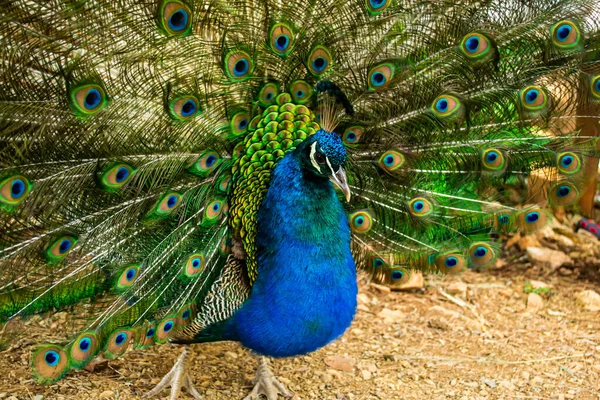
x=467 y=337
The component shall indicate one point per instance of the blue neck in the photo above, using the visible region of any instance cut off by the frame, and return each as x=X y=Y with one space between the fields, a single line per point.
x=305 y=293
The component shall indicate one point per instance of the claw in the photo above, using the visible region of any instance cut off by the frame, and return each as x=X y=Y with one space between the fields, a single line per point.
x=266 y=384
x=177 y=378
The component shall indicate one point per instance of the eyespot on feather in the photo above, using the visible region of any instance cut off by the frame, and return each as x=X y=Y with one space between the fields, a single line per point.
x=167 y=204
x=118 y=343
x=174 y=18
x=194 y=265
x=565 y=35
x=351 y=136
x=281 y=39
x=239 y=123
x=398 y=276
x=116 y=176
x=380 y=76
x=186 y=315
x=301 y=91
x=532 y=220
x=206 y=163
x=533 y=98
x=446 y=105
x=127 y=277
x=319 y=61
x=493 y=160
x=420 y=207
x=147 y=335
x=49 y=363
x=568 y=163
x=213 y=210
x=268 y=93
x=391 y=161
x=13 y=190
x=451 y=263
x=87 y=99
x=59 y=248
x=481 y=254
x=595 y=87
x=375 y=7
x=84 y=349
x=223 y=183
x=563 y=194
x=166 y=328
x=184 y=108
x=477 y=47
x=238 y=65
x=225 y=245
x=361 y=221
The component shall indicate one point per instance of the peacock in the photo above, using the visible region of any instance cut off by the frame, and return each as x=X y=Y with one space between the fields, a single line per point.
x=191 y=171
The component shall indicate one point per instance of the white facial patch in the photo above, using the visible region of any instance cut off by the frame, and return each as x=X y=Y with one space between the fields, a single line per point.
x=313 y=150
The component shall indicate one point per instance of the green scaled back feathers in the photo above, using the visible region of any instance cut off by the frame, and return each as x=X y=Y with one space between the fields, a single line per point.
x=137 y=141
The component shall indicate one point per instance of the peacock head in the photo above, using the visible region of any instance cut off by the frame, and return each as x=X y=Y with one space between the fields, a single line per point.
x=324 y=155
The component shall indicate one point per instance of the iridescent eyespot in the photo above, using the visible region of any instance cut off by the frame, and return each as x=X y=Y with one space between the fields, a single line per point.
x=87 y=99
x=568 y=163
x=301 y=91
x=596 y=86
x=398 y=276
x=49 y=363
x=59 y=248
x=351 y=136
x=268 y=94
x=533 y=98
x=532 y=220
x=225 y=245
x=175 y=18
x=186 y=315
x=117 y=343
x=13 y=190
x=319 y=61
x=184 y=107
x=213 y=210
x=493 y=160
x=481 y=254
x=282 y=39
x=166 y=329
x=377 y=6
x=238 y=65
x=127 y=277
x=166 y=205
x=239 y=123
x=446 y=106
x=451 y=263
x=223 y=183
x=83 y=349
x=146 y=336
x=563 y=194
x=381 y=76
x=194 y=265
x=206 y=163
x=391 y=161
x=361 y=221
x=420 y=207
x=116 y=176
x=477 y=47
x=565 y=35
x=378 y=262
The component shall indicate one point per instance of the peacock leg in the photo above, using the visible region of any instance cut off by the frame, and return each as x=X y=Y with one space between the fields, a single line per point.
x=177 y=378
x=266 y=384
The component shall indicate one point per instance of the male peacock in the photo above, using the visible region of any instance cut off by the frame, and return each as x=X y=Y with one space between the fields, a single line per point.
x=196 y=171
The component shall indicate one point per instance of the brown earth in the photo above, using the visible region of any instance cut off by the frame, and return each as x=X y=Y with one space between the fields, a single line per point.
x=466 y=337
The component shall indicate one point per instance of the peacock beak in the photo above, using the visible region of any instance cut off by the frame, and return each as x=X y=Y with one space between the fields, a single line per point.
x=339 y=180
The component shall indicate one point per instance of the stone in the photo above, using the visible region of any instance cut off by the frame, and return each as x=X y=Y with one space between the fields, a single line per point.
x=540 y=285
x=534 y=302
x=107 y=394
x=589 y=300
x=528 y=241
x=391 y=316
x=340 y=362
x=547 y=258
x=459 y=288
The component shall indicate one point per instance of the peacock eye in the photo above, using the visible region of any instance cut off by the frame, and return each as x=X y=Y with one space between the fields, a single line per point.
x=320 y=158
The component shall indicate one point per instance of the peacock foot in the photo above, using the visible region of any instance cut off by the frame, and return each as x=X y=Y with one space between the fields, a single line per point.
x=266 y=384
x=177 y=379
